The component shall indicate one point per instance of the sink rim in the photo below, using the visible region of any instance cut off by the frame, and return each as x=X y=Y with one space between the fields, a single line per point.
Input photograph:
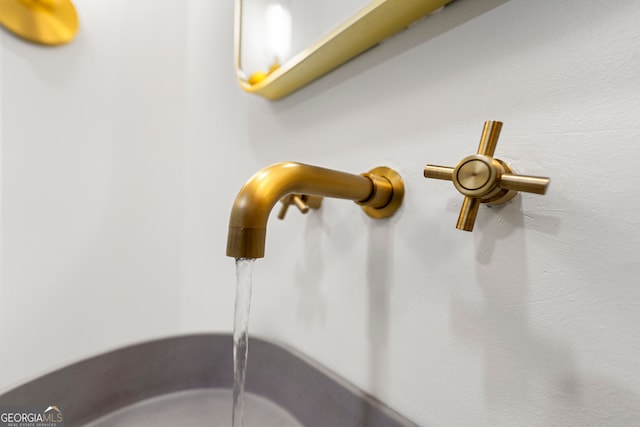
x=97 y=386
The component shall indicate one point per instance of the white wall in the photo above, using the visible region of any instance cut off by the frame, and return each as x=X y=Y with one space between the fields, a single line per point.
x=92 y=187
x=122 y=153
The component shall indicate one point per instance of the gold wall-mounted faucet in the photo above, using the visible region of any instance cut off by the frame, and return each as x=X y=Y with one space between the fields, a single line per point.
x=379 y=192
x=481 y=178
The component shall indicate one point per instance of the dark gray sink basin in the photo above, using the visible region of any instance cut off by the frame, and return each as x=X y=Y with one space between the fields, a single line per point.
x=186 y=381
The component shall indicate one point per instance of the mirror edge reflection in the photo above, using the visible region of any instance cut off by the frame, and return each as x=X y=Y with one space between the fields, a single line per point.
x=370 y=25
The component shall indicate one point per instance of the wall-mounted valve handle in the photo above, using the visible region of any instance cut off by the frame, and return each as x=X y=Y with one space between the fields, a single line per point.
x=301 y=201
x=481 y=178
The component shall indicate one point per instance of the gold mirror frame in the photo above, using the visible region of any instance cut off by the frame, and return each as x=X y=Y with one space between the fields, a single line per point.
x=376 y=21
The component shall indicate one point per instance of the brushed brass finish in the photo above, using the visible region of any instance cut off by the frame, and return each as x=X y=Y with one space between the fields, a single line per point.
x=47 y=22
x=475 y=176
x=438 y=172
x=387 y=195
x=529 y=184
x=489 y=138
x=380 y=193
x=302 y=201
x=468 y=213
x=373 y=23
x=481 y=178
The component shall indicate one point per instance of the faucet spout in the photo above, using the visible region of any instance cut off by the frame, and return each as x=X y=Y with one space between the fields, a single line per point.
x=379 y=192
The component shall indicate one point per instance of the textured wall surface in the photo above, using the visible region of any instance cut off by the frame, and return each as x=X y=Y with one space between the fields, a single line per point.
x=122 y=153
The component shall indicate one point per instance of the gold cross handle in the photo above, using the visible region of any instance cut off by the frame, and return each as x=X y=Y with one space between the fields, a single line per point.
x=481 y=178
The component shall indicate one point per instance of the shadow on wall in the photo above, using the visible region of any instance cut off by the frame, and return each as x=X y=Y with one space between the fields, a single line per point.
x=522 y=368
x=379 y=283
x=312 y=304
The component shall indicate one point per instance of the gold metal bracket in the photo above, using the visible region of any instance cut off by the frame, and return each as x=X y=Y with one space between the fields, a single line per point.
x=481 y=178
x=388 y=186
x=301 y=201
